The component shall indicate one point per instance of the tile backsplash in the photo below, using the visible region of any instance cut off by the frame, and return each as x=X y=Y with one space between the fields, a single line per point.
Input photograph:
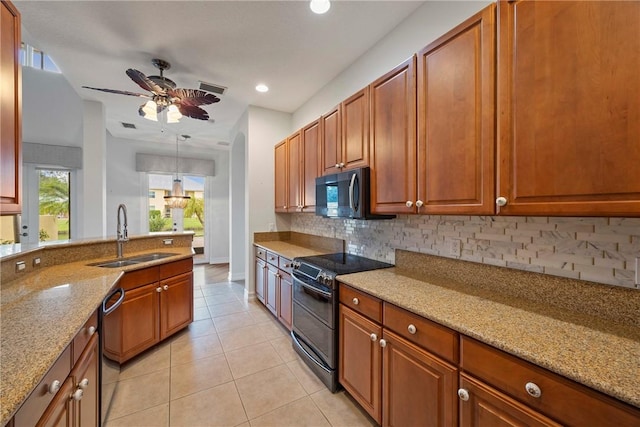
x=602 y=250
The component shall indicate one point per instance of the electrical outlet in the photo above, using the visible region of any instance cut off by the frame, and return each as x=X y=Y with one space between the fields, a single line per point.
x=272 y=226
x=455 y=247
x=20 y=266
x=36 y=262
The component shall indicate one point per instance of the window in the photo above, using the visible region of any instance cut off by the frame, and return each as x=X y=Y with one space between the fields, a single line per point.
x=53 y=206
x=152 y=194
x=35 y=58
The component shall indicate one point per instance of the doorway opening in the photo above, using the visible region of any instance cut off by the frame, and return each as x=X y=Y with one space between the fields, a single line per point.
x=54 y=202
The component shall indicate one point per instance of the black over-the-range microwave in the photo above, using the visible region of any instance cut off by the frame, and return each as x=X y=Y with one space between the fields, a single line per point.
x=345 y=195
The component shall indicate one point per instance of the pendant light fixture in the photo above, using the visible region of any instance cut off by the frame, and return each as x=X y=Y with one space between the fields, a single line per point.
x=177 y=199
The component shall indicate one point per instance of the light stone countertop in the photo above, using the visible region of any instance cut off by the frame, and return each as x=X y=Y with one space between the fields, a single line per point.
x=41 y=313
x=595 y=352
x=289 y=250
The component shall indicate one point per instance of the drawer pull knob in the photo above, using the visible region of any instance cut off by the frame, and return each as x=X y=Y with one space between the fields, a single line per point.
x=158 y=289
x=165 y=287
x=356 y=301
x=84 y=383
x=412 y=329
x=463 y=394
x=374 y=337
x=533 y=390
x=77 y=395
x=409 y=203
x=91 y=330
x=501 y=201
x=383 y=343
x=54 y=386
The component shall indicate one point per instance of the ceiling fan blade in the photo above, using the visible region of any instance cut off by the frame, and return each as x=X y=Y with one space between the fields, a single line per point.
x=193 y=97
x=144 y=82
x=193 y=111
x=120 y=92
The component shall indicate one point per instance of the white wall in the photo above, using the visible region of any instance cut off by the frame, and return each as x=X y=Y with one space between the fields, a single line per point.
x=238 y=199
x=426 y=24
x=217 y=215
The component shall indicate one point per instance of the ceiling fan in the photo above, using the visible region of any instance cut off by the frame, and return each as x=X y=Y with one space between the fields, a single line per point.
x=164 y=95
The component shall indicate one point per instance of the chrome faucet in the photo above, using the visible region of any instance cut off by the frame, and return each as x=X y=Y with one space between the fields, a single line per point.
x=122 y=229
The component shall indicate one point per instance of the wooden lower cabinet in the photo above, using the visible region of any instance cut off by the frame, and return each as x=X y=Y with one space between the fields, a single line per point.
x=261 y=266
x=285 y=294
x=151 y=311
x=484 y=406
x=76 y=402
x=360 y=360
x=419 y=389
x=396 y=382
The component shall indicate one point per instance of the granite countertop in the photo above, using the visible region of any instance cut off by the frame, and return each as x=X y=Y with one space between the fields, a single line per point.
x=289 y=250
x=40 y=314
x=597 y=353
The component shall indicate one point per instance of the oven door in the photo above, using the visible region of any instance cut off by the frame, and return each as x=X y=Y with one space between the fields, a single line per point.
x=316 y=335
x=317 y=299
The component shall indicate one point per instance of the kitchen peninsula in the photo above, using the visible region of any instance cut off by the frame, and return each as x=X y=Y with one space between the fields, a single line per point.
x=47 y=303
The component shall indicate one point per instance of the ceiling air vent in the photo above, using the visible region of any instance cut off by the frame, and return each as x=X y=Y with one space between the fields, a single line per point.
x=128 y=125
x=210 y=87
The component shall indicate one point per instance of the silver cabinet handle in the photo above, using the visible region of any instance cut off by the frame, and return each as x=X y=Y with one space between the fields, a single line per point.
x=409 y=203
x=373 y=337
x=463 y=394
x=412 y=329
x=501 y=201
x=355 y=301
x=383 y=343
x=533 y=389
x=158 y=289
x=54 y=386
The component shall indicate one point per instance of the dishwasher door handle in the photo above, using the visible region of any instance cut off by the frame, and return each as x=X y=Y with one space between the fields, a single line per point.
x=107 y=310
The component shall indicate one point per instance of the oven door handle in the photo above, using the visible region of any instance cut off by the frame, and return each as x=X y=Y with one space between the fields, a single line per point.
x=314 y=289
x=309 y=355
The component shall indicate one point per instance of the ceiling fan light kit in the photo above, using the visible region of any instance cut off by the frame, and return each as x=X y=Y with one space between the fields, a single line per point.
x=320 y=6
x=164 y=95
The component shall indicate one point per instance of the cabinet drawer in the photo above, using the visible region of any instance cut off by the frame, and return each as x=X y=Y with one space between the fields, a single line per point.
x=285 y=264
x=137 y=278
x=84 y=335
x=562 y=399
x=425 y=333
x=260 y=252
x=361 y=302
x=35 y=405
x=177 y=267
x=273 y=258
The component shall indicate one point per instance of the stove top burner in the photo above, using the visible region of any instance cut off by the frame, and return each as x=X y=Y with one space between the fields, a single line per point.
x=343 y=263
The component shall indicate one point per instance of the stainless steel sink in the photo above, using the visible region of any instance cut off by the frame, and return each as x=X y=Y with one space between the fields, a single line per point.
x=116 y=263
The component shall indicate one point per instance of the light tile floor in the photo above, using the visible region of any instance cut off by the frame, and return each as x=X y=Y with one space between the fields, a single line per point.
x=233 y=366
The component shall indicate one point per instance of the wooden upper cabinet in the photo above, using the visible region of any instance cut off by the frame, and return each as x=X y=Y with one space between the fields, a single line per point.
x=281 y=177
x=311 y=168
x=10 y=110
x=456 y=119
x=354 y=113
x=569 y=108
x=393 y=140
x=331 y=141
x=294 y=165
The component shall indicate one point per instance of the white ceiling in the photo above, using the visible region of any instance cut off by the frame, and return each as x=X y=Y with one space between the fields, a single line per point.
x=236 y=44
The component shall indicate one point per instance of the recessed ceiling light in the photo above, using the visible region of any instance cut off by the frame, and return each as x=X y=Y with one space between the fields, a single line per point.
x=319 y=6
x=262 y=88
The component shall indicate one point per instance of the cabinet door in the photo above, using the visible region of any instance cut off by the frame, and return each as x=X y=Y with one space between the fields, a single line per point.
x=281 y=178
x=310 y=165
x=360 y=362
x=176 y=304
x=85 y=374
x=354 y=112
x=59 y=413
x=271 y=286
x=419 y=388
x=393 y=140
x=135 y=325
x=260 y=279
x=294 y=166
x=285 y=308
x=10 y=111
x=456 y=119
x=331 y=136
x=487 y=407
x=569 y=107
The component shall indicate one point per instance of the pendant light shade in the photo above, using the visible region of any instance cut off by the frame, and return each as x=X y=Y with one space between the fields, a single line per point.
x=177 y=199
x=149 y=110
